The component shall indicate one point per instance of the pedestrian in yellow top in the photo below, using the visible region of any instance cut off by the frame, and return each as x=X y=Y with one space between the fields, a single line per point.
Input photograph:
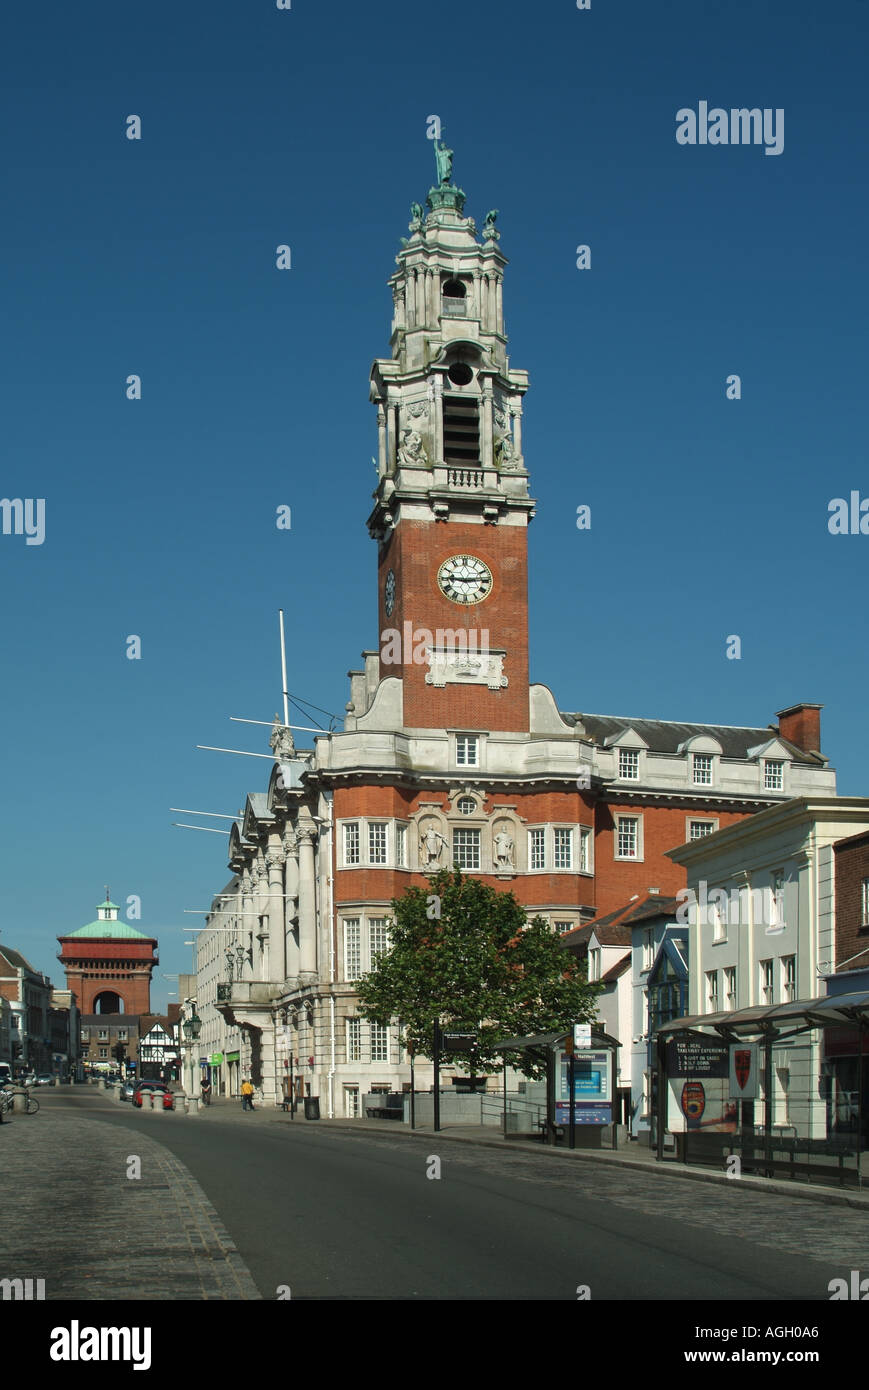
x=246 y=1095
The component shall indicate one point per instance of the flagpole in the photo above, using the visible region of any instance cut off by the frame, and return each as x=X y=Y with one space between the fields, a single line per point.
x=284 y=667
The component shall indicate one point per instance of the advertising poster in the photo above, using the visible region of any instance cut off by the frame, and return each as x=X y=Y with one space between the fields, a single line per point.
x=592 y=1087
x=698 y=1076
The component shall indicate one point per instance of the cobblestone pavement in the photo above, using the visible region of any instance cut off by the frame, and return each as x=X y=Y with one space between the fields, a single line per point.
x=72 y=1216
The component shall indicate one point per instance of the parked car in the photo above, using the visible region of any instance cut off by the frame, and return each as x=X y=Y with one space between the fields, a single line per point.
x=45 y=1079
x=128 y=1090
x=157 y=1088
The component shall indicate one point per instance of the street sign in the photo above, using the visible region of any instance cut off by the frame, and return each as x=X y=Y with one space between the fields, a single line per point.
x=458 y=1042
x=582 y=1035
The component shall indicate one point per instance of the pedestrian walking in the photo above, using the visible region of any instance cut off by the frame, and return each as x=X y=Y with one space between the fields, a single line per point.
x=205 y=1090
x=246 y=1095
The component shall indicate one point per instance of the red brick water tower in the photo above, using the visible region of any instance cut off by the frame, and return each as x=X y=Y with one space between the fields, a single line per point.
x=108 y=964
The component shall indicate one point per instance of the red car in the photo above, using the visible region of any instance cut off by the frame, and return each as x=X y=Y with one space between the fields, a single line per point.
x=158 y=1089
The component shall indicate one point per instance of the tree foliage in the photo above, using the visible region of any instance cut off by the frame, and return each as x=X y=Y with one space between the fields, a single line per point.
x=466 y=954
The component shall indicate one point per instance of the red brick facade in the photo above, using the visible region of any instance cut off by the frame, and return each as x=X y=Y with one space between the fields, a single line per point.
x=107 y=966
x=414 y=552
x=852 y=870
x=663 y=827
x=549 y=890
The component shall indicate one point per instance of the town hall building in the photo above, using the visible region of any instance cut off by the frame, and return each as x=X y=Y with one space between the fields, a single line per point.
x=448 y=754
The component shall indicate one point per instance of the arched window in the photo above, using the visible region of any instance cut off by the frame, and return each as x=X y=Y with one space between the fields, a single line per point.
x=108 y=1002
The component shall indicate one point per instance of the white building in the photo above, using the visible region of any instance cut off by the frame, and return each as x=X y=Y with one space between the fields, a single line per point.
x=760 y=909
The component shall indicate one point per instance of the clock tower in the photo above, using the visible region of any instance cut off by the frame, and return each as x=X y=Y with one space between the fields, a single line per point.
x=452 y=506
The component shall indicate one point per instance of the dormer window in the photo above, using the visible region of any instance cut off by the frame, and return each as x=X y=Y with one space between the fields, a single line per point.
x=629 y=764
x=702 y=769
x=773 y=774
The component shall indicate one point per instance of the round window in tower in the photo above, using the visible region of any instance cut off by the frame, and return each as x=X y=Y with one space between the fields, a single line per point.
x=460 y=374
x=467 y=806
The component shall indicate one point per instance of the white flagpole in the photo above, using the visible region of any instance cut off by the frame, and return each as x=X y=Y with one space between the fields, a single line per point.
x=284 y=667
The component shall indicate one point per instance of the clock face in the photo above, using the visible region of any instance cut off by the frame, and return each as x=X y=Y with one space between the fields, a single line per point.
x=389 y=593
x=465 y=579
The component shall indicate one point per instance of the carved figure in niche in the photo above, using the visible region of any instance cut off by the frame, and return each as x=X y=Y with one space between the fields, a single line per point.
x=431 y=845
x=505 y=456
x=411 y=451
x=504 y=850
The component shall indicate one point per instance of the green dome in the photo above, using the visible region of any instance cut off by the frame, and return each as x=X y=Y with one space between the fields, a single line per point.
x=108 y=928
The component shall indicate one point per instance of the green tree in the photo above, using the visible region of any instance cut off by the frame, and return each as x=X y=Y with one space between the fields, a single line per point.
x=466 y=954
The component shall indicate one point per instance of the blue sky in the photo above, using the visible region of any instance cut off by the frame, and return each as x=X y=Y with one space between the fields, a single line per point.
x=307 y=127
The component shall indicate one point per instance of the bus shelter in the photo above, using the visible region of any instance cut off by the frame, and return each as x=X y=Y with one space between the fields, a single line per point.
x=591 y=1069
x=781 y=1089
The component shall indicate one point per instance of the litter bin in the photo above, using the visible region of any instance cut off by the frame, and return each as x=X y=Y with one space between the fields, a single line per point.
x=312 y=1107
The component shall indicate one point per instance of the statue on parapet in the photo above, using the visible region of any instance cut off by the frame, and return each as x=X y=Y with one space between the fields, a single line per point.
x=444 y=159
x=281 y=741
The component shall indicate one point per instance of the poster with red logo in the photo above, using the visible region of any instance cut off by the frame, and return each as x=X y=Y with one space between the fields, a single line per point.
x=744 y=1064
x=697 y=1073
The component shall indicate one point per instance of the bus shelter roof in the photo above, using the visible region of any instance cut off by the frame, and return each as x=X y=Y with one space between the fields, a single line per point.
x=825 y=1011
x=553 y=1041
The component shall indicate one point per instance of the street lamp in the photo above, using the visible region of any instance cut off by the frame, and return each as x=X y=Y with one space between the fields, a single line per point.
x=191 y=1027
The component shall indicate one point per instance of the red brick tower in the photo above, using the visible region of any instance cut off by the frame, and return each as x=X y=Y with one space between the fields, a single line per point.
x=452 y=504
x=108 y=965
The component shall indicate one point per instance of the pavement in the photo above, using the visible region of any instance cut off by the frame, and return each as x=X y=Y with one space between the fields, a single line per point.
x=73 y=1217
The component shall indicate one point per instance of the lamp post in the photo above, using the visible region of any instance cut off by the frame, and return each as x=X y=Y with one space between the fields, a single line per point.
x=191 y=1028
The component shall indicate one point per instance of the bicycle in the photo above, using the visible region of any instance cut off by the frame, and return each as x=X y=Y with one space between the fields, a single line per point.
x=7 y=1098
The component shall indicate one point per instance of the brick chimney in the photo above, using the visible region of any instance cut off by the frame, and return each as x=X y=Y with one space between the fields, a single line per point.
x=801 y=724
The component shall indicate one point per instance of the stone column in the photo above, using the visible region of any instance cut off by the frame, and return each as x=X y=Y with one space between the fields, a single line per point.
x=261 y=931
x=381 y=441
x=431 y=309
x=291 y=849
x=516 y=412
x=487 y=452
x=392 y=436
x=277 y=918
x=398 y=301
x=484 y=302
x=247 y=919
x=477 y=292
x=306 y=835
x=410 y=292
x=499 y=301
x=421 y=306
x=438 y=411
